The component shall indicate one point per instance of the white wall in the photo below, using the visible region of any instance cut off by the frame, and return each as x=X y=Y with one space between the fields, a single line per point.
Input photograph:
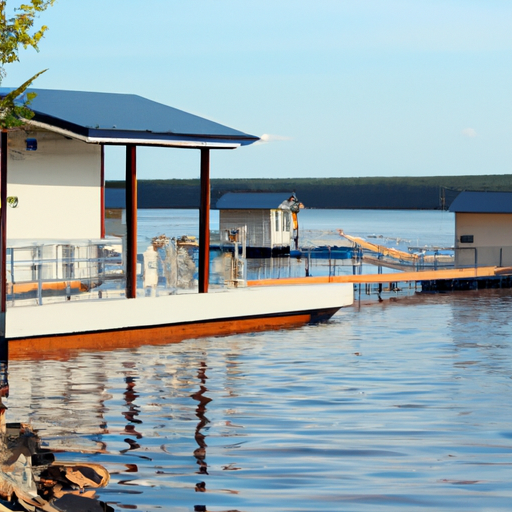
x=492 y=239
x=58 y=188
x=257 y=222
x=261 y=226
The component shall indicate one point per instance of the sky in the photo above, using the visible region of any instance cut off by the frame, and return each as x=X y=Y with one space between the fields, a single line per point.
x=335 y=88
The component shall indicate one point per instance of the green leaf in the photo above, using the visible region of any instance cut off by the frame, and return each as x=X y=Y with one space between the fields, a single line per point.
x=15 y=115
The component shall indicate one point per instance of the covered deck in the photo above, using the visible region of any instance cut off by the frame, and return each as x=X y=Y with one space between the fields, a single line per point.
x=97 y=120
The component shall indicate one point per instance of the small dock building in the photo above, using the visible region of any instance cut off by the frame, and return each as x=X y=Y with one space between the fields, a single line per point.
x=269 y=227
x=483 y=229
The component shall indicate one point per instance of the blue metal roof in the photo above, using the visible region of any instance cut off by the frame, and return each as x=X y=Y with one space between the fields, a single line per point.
x=112 y=118
x=482 y=202
x=251 y=200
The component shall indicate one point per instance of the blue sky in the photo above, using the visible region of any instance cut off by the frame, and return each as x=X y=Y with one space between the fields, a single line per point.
x=337 y=88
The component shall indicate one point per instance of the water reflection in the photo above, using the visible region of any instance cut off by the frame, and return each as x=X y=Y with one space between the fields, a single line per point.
x=4 y=380
x=130 y=396
x=31 y=479
x=199 y=436
x=4 y=393
x=377 y=408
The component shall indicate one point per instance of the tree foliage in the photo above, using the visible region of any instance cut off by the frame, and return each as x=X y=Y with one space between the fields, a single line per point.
x=18 y=31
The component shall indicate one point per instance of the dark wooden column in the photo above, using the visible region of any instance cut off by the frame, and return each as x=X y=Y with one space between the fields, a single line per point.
x=204 y=223
x=131 y=222
x=3 y=245
x=102 y=193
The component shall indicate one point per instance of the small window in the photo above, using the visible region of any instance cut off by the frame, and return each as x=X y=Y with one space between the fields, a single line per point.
x=466 y=239
x=31 y=144
x=286 y=224
x=278 y=221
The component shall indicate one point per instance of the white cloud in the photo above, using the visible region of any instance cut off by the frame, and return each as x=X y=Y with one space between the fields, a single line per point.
x=267 y=137
x=469 y=132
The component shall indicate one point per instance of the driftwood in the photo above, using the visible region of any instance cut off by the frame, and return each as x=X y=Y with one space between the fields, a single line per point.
x=31 y=479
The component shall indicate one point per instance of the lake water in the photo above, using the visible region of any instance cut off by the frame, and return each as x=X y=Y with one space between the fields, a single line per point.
x=412 y=227
x=404 y=404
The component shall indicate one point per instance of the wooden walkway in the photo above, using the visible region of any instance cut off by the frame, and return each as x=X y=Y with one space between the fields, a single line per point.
x=422 y=275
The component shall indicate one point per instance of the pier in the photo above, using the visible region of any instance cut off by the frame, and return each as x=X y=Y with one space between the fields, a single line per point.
x=473 y=273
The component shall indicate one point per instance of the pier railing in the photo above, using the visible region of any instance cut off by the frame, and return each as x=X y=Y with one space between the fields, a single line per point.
x=498 y=256
x=56 y=271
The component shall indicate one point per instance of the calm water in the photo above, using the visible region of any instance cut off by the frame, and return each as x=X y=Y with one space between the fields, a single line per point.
x=413 y=227
x=400 y=405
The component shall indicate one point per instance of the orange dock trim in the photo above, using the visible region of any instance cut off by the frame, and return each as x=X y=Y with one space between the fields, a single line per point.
x=31 y=287
x=422 y=275
x=64 y=346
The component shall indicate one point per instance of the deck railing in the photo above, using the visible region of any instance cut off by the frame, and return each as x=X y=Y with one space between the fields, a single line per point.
x=46 y=272
x=56 y=271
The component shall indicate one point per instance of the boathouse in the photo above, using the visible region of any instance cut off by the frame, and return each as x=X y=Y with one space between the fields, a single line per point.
x=269 y=228
x=483 y=229
x=52 y=233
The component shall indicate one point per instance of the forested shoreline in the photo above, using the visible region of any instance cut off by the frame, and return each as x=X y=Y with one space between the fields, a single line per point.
x=417 y=193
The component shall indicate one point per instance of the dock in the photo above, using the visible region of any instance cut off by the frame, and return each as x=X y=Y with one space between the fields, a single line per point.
x=394 y=277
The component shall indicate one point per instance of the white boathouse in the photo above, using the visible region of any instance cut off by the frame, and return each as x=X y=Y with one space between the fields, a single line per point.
x=269 y=228
x=52 y=232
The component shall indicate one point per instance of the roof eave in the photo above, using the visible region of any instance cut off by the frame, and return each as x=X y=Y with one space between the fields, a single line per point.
x=91 y=136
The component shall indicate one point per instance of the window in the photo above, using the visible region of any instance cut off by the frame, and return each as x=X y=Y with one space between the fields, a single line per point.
x=286 y=223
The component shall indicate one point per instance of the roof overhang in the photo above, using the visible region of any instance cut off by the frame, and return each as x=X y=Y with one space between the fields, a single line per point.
x=121 y=119
x=155 y=140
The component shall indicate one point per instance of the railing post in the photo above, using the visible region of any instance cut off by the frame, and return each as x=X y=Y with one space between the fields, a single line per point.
x=39 y=266
x=12 y=274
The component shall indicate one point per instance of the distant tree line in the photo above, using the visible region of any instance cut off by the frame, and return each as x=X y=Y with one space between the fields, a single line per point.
x=402 y=193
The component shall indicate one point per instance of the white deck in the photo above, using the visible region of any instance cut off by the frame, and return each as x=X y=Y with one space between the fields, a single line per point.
x=99 y=315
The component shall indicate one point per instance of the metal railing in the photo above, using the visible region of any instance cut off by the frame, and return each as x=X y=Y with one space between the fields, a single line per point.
x=59 y=271
x=492 y=256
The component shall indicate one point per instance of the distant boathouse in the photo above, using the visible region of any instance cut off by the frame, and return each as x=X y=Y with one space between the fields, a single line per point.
x=483 y=229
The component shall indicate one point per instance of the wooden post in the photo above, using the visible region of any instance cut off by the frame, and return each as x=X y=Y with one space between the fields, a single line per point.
x=131 y=222
x=4 y=353
x=102 y=192
x=204 y=223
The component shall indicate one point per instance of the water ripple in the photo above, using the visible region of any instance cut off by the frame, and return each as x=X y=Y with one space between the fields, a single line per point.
x=403 y=405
